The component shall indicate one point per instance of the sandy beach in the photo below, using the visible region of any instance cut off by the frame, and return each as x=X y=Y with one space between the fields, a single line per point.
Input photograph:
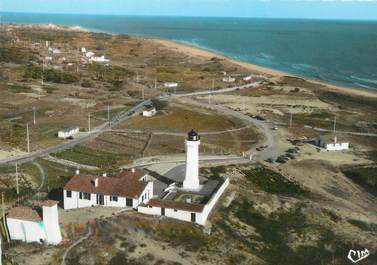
x=194 y=51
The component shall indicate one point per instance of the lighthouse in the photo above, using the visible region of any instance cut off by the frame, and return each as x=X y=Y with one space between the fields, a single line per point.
x=191 y=181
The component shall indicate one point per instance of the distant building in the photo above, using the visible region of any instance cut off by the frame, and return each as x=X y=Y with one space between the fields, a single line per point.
x=331 y=143
x=69 y=132
x=171 y=85
x=89 y=54
x=101 y=59
x=127 y=189
x=149 y=111
x=25 y=224
x=229 y=79
x=56 y=51
x=247 y=78
x=83 y=50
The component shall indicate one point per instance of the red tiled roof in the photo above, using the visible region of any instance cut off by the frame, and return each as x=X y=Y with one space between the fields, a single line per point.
x=24 y=213
x=190 y=207
x=125 y=184
x=48 y=203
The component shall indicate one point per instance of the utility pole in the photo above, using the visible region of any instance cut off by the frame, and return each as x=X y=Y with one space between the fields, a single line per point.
x=137 y=77
x=89 y=122
x=142 y=93
x=290 y=120
x=155 y=83
x=108 y=113
x=4 y=222
x=17 y=188
x=28 y=137
x=34 y=115
x=334 y=124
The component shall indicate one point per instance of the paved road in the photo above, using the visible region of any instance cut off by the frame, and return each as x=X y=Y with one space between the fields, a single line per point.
x=28 y=157
x=265 y=128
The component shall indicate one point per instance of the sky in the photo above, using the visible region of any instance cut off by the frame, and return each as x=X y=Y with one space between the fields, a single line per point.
x=320 y=9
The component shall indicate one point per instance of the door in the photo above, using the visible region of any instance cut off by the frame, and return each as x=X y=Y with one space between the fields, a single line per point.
x=129 y=202
x=100 y=199
x=193 y=217
x=162 y=211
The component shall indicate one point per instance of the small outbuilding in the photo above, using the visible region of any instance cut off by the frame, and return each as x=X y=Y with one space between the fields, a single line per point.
x=229 y=79
x=68 y=132
x=170 y=85
x=331 y=142
x=100 y=59
x=149 y=111
x=26 y=224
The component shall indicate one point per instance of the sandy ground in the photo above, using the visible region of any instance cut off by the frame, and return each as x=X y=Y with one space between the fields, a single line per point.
x=271 y=103
x=194 y=51
x=82 y=216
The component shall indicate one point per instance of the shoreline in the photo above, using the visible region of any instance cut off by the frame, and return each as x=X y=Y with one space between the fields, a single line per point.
x=206 y=53
x=202 y=52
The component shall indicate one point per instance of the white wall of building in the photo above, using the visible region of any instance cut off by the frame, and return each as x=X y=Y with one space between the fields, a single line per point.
x=337 y=146
x=27 y=231
x=75 y=202
x=149 y=113
x=51 y=224
x=202 y=217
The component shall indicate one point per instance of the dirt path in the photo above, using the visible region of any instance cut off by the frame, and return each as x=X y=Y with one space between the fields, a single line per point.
x=70 y=163
x=74 y=245
x=42 y=174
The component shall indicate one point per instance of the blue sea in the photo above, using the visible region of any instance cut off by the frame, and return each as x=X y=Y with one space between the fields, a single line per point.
x=339 y=52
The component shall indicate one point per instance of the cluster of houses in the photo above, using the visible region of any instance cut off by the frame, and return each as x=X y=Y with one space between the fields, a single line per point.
x=184 y=196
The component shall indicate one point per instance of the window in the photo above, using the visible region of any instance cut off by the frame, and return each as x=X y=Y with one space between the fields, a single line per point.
x=175 y=210
x=69 y=194
x=113 y=198
x=84 y=196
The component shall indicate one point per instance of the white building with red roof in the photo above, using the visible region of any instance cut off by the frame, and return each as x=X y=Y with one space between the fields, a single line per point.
x=27 y=224
x=129 y=188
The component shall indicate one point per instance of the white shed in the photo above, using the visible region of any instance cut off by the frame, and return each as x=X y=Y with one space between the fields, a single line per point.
x=100 y=59
x=170 y=84
x=69 y=132
x=331 y=143
x=149 y=111
x=229 y=79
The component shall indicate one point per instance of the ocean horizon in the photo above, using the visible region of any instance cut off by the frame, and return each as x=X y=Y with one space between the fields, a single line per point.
x=341 y=52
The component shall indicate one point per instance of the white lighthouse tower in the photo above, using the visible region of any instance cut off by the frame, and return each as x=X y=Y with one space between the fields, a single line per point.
x=191 y=181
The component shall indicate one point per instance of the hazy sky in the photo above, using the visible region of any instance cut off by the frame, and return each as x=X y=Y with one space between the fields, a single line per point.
x=333 y=9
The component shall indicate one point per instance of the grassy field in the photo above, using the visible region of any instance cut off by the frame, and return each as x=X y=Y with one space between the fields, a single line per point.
x=273 y=182
x=87 y=156
x=366 y=177
x=180 y=119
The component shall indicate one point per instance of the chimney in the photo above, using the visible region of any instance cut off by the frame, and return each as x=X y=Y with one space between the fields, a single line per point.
x=104 y=175
x=77 y=172
x=95 y=182
x=133 y=170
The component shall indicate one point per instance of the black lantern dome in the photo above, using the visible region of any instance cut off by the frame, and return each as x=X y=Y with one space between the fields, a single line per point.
x=193 y=136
